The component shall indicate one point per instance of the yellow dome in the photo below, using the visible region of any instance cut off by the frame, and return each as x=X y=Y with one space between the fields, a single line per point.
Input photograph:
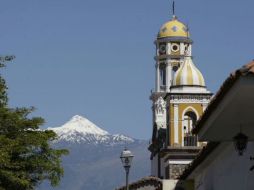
x=188 y=75
x=173 y=28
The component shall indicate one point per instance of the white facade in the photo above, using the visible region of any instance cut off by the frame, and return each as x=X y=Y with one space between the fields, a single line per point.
x=225 y=169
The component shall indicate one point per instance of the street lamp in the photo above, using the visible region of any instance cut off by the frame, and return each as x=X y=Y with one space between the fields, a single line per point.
x=240 y=142
x=126 y=158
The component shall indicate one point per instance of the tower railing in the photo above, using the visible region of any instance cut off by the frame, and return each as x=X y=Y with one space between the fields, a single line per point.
x=190 y=140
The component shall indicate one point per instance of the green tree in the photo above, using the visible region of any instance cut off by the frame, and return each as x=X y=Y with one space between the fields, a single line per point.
x=26 y=156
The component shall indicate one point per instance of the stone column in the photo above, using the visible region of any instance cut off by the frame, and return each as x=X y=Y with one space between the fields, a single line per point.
x=190 y=50
x=168 y=48
x=157 y=78
x=176 y=123
x=181 y=48
x=168 y=75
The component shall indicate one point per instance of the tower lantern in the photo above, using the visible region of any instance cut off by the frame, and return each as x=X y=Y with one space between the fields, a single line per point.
x=172 y=45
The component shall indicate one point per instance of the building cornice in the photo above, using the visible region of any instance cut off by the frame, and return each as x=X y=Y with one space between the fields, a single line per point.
x=173 y=39
x=166 y=56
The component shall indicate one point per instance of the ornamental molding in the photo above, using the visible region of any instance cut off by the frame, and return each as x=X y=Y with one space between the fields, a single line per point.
x=156 y=95
x=160 y=106
x=189 y=101
x=173 y=39
x=204 y=99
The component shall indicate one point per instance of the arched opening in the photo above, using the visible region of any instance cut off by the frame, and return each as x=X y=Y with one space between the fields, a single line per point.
x=189 y=120
x=163 y=74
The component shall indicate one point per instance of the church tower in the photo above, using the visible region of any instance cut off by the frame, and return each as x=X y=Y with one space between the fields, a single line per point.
x=179 y=99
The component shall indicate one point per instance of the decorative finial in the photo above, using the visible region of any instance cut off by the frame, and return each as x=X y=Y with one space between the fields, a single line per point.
x=173 y=7
x=173 y=10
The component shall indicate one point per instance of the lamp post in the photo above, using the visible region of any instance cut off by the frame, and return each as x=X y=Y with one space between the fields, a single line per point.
x=126 y=158
x=240 y=142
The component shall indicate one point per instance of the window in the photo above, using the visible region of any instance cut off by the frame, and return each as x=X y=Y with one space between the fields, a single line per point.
x=163 y=74
x=175 y=47
x=189 y=120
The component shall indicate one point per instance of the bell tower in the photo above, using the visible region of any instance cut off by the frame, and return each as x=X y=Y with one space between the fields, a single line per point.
x=178 y=100
x=172 y=44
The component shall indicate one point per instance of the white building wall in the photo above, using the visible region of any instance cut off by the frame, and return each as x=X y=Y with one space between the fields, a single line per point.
x=225 y=169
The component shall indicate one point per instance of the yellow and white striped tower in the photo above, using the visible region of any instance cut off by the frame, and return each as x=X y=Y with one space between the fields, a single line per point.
x=179 y=99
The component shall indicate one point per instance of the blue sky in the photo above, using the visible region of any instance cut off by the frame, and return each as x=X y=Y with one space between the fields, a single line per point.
x=95 y=58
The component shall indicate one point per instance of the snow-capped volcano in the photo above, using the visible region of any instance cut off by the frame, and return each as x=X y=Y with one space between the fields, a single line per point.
x=81 y=130
x=94 y=156
x=81 y=125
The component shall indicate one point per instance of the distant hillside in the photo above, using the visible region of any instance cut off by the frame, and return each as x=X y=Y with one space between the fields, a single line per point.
x=93 y=162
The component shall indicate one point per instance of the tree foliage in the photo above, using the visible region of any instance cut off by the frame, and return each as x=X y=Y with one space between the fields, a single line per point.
x=26 y=156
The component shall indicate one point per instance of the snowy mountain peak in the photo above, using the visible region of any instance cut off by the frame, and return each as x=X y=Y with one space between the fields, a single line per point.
x=79 y=124
x=77 y=118
x=81 y=130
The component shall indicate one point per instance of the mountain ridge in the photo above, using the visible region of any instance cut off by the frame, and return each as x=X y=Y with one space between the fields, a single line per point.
x=93 y=161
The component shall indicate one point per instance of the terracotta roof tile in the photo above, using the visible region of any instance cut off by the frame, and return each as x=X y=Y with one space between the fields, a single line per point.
x=226 y=86
x=250 y=66
x=146 y=181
